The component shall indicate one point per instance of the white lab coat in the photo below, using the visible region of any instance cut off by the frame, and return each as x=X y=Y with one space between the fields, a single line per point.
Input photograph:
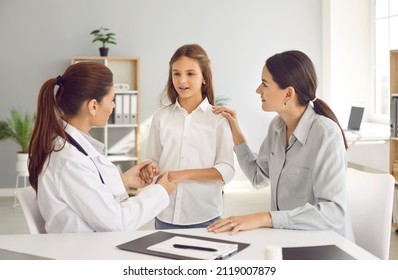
x=72 y=197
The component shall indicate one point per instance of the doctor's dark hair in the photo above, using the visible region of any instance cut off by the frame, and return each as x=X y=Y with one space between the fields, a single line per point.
x=294 y=68
x=197 y=53
x=81 y=82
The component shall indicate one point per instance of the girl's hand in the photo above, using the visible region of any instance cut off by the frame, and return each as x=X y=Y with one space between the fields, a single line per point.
x=178 y=176
x=164 y=181
x=148 y=172
x=140 y=175
x=132 y=178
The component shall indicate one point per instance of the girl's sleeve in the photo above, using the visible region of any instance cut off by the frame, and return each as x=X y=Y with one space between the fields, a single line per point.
x=224 y=162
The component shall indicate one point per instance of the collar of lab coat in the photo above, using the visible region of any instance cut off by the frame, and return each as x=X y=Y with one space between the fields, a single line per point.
x=92 y=146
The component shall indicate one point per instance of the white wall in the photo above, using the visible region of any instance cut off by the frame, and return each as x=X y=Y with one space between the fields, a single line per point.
x=38 y=38
x=347 y=73
x=346 y=56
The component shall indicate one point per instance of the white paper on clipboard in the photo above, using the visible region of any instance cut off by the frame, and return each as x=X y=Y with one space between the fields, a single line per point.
x=223 y=249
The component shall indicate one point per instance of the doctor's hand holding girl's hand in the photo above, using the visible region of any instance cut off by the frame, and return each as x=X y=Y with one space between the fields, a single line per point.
x=149 y=171
x=132 y=178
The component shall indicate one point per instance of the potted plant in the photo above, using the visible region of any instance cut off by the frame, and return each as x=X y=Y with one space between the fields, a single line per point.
x=19 y=128
x=105 y=37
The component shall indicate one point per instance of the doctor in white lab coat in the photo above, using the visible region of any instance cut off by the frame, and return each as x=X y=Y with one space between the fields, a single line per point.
x=78 y=188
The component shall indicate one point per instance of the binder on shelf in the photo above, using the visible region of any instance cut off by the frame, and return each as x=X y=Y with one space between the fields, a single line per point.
x=143 y=245
x=118 y=109
x=393 y=117
x=126 y=108
x=133 y=111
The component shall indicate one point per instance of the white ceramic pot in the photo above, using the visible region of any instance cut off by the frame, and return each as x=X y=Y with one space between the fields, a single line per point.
x=22 y=164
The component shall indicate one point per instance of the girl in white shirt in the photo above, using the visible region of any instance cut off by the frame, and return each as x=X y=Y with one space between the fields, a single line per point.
x=78 y=188
x=191 y=142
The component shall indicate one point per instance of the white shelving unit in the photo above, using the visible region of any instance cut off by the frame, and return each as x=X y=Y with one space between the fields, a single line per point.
x=394 y=140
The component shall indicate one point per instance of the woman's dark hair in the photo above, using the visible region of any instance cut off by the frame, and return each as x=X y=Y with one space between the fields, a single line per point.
x=295 y=69
x=81 y=82
x=197 y=53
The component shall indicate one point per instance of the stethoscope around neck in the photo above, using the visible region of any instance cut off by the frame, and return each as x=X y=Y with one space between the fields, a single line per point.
x=74 y=143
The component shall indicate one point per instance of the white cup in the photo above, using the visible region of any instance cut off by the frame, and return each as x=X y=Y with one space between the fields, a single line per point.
x=273 y=252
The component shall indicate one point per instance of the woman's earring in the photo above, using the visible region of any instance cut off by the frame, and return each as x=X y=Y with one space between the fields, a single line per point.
x=204 y=82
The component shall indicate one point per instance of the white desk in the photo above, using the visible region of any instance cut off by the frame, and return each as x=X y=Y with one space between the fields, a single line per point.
x=370 y=133
x=369 y=147
x=100 y=246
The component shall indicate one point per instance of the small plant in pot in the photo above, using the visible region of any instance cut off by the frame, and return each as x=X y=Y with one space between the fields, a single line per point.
x=18 y=128
x=104 y=36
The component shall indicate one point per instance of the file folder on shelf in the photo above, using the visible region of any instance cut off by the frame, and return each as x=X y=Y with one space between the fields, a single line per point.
x=118 y=109
x=125 y=111
x=394 y=117
x=133 y=111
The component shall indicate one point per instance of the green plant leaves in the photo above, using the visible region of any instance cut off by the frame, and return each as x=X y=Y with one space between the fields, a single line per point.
x=101 y=35
x=18 y=128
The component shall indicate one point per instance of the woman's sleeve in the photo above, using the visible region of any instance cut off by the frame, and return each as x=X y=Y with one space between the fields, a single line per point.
x=254 y=166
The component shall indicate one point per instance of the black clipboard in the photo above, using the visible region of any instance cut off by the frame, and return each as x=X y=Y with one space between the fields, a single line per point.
x=323 y=252
x=141 y=244
x=12 y=255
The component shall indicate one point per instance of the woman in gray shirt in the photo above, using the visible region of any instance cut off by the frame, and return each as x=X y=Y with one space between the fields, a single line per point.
x=303 y=156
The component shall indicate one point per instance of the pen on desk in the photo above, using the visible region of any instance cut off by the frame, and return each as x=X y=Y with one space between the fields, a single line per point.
x=181 y=246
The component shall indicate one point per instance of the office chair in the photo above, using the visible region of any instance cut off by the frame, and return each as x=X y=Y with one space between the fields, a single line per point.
x=370 y=203
x=27 y=198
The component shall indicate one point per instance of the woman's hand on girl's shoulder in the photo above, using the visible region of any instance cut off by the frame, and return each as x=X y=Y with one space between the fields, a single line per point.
x=228 y=113
x=222 y=109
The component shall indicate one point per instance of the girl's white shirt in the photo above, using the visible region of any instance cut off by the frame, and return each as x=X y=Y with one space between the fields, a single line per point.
x=72 y=197
x=178 y=141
